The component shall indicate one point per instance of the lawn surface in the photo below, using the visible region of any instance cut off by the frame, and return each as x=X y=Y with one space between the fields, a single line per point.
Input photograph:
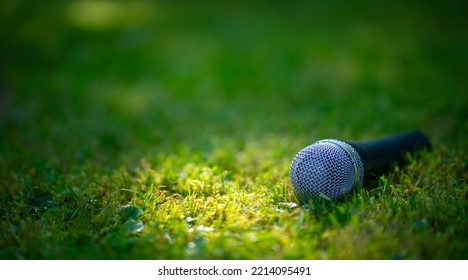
x=165 y=130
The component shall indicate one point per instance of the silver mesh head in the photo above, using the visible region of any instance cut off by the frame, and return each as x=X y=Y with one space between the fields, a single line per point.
x=327 y=168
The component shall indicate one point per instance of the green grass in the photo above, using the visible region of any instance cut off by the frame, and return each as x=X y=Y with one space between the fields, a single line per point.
x=162 y=130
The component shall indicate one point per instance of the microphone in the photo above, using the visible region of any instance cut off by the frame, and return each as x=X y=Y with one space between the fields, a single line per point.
x=330 y=168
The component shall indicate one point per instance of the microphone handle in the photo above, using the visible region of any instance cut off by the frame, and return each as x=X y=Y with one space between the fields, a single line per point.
x=377 y=155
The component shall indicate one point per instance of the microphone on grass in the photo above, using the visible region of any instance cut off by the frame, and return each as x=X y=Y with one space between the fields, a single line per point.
x=330 y=168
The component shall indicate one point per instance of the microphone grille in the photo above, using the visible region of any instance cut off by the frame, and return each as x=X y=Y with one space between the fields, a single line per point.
x=327 y=168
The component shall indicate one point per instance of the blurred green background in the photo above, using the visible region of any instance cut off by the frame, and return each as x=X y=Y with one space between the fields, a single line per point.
x=126 y=73
x=91 y=87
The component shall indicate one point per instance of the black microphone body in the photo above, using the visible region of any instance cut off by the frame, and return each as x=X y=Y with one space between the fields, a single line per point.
x=377 y=155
